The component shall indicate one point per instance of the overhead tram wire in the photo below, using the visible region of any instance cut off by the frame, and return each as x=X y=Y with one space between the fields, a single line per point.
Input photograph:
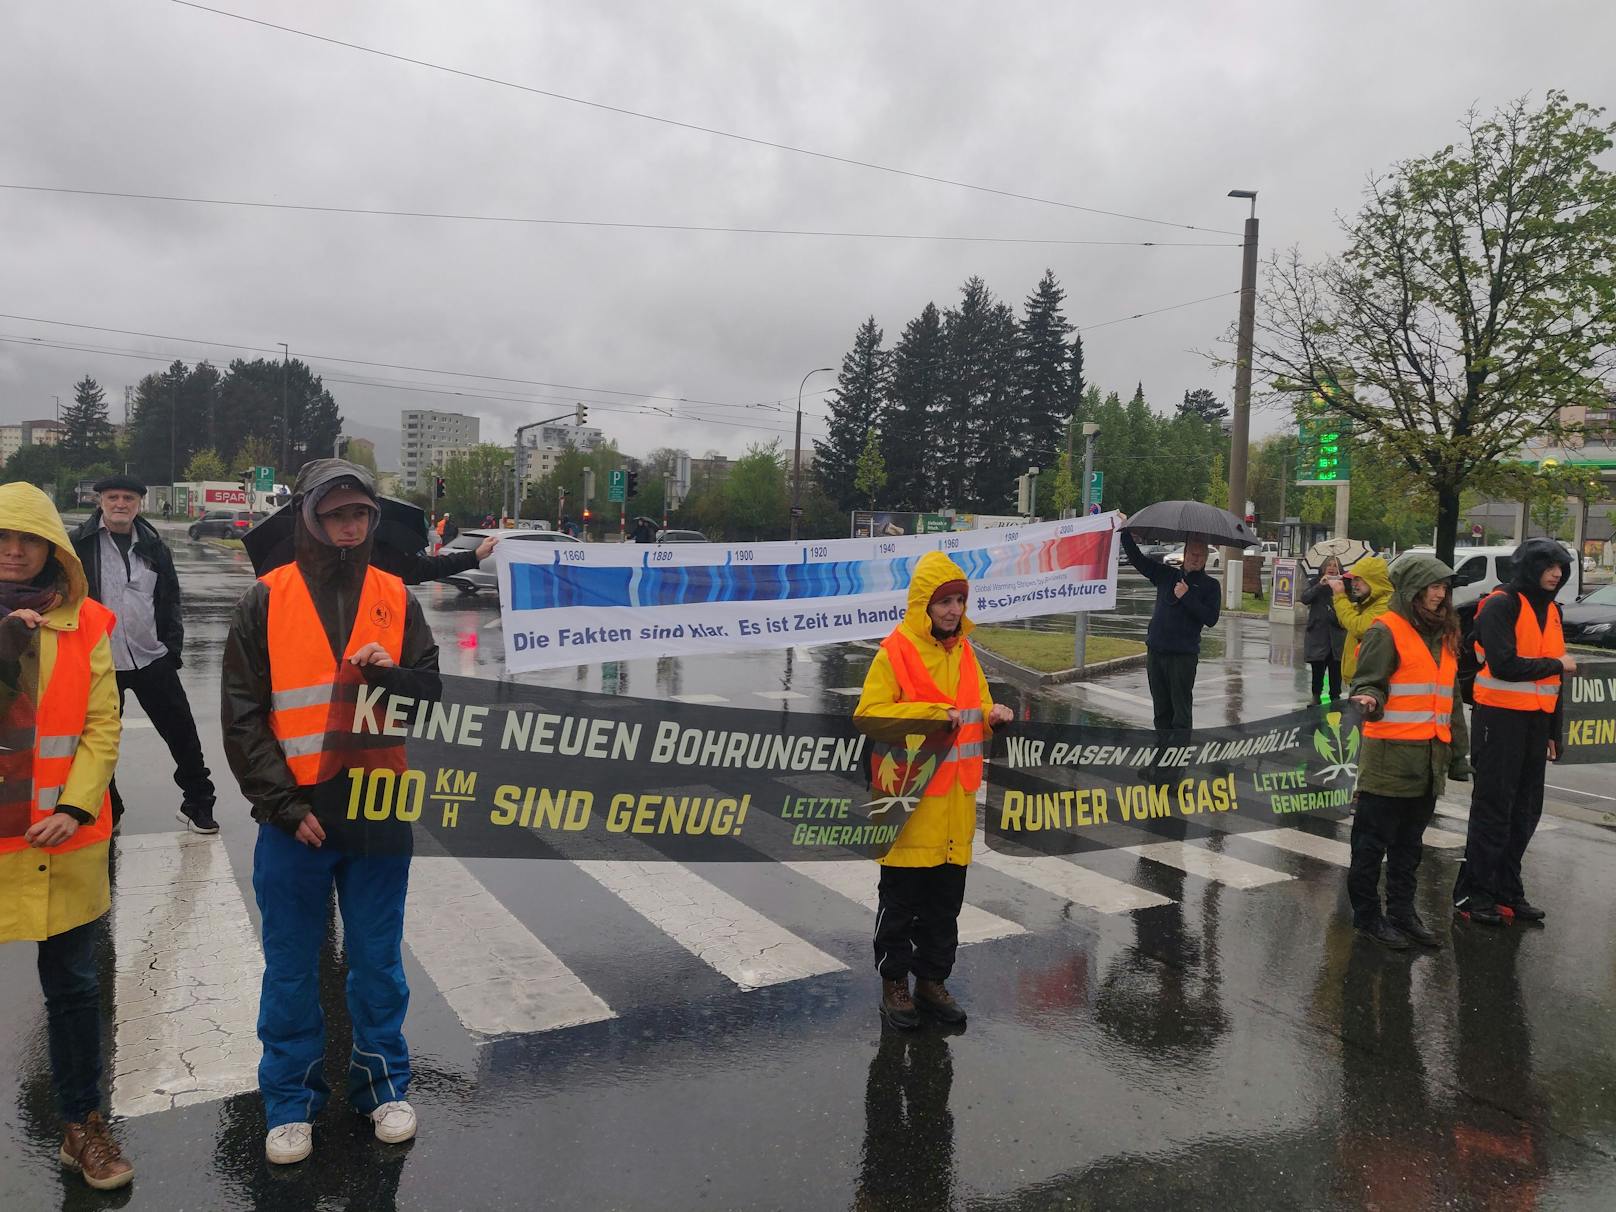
x=1140 y=315
x=431 y=370
x=699 y=228
x=164 y=359
x=622 y=111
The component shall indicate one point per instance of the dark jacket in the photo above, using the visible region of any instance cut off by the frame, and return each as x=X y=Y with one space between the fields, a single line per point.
x=335 y=578
x=1325 y=637
x=1177 y=622
x=1496 y=621
x=149 y=546
x=416 y=569
x=1406 y=769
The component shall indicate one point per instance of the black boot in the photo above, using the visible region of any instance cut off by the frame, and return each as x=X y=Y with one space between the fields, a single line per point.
x=1482 y=913
x=1525 y=911
x=896 y=1005
x=937 y=1001
x=1386 y=934
x=1410 y=924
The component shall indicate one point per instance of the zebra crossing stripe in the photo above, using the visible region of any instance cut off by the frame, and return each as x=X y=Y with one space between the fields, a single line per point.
x=1311 y=845
x=1457 y=813
x=187 y=968
x=1209 y=864
x=496 y=976
x=1066 y=880
x=857 y=882
x=712 y=925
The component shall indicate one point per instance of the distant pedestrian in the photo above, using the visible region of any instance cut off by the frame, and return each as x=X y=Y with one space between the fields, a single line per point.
x=1407 y=683
x=1368 y=594
x=1325 y=637
x=925 y=678
x=644 y=530
x=302 y=642
x=131 y=571
x=448 y=532
x=1517 y=729
x=60 y=726
x=1187 y=603
x=168 y=511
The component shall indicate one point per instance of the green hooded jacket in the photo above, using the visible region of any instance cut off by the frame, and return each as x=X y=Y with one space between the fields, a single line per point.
x=1406 y=769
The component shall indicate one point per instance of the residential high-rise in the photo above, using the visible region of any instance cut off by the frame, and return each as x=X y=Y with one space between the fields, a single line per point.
x=430 y=437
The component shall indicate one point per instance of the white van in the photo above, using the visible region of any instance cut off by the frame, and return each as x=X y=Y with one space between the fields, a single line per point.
x=1477 y=571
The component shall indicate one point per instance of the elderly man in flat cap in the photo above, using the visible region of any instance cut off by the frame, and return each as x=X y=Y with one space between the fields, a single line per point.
x=131 y=571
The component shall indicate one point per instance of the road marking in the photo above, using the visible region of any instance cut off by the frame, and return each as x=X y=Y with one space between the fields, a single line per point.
x=784 y=696
x=1068 y=881
x=1311 y=845
x=1209 y=864
x=1578 y=791
x=710 y=923
x=698 y=699
x=857 y=882
x=497 y=977
x=850 y=691
x=1457 y=813
x=1442 y=839
x=1121 y=694
x=491 y=624
x=187 y=969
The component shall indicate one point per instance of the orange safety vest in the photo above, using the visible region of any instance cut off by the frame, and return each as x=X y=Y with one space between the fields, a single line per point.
x=58 y=725
x=1419 y=701
x=312 y=695
x=1531 y=642
x=961 y=762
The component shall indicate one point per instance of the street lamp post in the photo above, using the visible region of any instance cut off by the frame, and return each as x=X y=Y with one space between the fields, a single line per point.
x=796 y=454
x=286 y=418
x=1240 y=423
x=1081 y=636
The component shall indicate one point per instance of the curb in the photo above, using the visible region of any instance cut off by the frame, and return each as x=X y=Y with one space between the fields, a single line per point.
x=1024 y=676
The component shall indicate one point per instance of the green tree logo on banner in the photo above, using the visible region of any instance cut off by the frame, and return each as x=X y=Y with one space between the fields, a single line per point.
x=1341 y=752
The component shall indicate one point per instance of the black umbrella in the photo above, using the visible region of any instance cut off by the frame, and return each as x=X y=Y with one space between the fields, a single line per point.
x=1170 y=521
x=269 y=544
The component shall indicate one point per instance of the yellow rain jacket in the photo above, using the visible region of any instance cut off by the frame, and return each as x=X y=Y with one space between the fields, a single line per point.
x=940 y=828
x=1356 y=617
x=72 y=888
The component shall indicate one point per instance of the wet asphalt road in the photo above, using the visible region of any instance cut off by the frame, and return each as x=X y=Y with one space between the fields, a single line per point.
x=1229 y=1045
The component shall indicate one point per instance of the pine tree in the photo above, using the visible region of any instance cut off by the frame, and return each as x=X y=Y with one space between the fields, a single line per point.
x=86 y=432
x=1203 y=404
x=914 y=412
x=1044 y=375
x=855 y=414
x=979 y=435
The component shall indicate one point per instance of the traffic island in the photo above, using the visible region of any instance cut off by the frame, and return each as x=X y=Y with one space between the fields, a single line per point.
x=1044 y=658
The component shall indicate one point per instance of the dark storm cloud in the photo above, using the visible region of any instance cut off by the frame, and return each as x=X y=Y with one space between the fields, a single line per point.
x=1156 y=109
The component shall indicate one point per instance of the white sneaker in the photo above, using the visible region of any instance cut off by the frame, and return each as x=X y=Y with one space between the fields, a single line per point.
x=394 y=1122
x=289 y=1143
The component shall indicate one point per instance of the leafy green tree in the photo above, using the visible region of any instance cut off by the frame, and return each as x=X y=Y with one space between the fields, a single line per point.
x=856 y=406
x=206 y=464
x=250 y=405
x=39 y=465
x=909 y=446
x=870 y=475
x=756 y=495
x=86 y=431
x=256 y=451
x=1475 y=300
x=1044 y=382
x=476 y=481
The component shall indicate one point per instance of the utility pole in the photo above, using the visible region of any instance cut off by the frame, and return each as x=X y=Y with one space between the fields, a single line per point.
x=796 y=454
x=286 y=419
x=1091 y=431
x=1240 y=424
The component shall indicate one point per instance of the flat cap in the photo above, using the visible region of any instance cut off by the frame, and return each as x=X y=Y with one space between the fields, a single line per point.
x=126 y=483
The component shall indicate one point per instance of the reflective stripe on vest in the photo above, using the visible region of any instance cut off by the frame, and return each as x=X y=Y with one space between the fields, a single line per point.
x=1531 y=643
x=59 y=723
x=312 y=695
x=961 y=761
x=1419 y=698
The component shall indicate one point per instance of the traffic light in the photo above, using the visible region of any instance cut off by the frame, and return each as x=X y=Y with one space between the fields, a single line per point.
x=633 y=483
x=439 y=489
x=582 y=414
x=586 y=515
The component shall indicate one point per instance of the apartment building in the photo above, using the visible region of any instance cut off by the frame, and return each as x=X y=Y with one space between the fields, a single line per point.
x=430 y=437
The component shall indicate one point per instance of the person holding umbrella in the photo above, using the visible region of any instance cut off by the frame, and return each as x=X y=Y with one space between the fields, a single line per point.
x=1187 y=599
x=1325 y=637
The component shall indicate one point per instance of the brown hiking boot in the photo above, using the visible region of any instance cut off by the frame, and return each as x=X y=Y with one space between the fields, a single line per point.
x=896 y=1006
x=90 y=1149
x=937 y=1001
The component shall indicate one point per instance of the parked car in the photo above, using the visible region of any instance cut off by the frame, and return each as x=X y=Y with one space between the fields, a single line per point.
x=486 y=576
x=680 y=536
x=224 y=524
x=1214 y=558
x=1592 y=620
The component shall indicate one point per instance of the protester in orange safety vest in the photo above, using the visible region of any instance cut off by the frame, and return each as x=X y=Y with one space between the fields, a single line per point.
x=59 y=748
x=925 y=694
x=1407 y=684
x=1516 y=731
x=303 y=641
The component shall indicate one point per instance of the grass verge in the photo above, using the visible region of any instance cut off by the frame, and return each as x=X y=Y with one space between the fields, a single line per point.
x=1049 y=651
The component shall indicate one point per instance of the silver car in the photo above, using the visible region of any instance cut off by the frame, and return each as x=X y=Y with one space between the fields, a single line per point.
x=486 y=576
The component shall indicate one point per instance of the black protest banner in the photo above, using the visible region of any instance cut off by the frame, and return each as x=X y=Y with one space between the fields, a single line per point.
x=1590 y=718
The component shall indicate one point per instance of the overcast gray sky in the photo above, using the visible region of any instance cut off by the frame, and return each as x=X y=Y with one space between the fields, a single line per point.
x=1154 y=109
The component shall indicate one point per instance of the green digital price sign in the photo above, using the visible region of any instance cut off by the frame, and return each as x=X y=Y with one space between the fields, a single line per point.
x=1323 y=456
